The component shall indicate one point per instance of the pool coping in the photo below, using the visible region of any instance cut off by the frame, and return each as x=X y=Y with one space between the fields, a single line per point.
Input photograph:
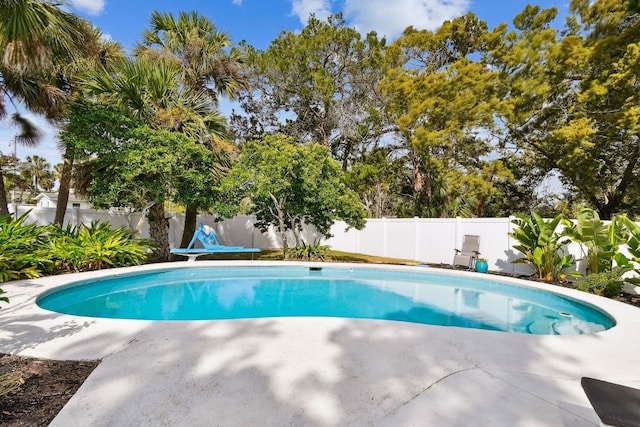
x=521 y=368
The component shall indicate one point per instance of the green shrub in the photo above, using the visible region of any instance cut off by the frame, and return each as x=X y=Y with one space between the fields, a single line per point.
x=94 y=247
x=607 y=284
x=22 y=249
x=309 y=252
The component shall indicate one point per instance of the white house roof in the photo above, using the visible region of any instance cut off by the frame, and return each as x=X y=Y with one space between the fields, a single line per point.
x=54 y=197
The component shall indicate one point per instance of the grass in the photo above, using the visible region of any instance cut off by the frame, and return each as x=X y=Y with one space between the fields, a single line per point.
x=334 y=256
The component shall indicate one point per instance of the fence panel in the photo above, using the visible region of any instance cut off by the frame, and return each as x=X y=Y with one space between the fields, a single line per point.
x=372 y=238
x=400 y=238
x=436 y=240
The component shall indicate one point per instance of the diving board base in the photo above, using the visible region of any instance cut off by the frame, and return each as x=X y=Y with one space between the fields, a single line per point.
x=191 y=256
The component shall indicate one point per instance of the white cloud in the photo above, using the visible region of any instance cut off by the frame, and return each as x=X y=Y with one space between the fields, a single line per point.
x=390 y=18
x=304 y=8
x=237 y=2
x=91 y=7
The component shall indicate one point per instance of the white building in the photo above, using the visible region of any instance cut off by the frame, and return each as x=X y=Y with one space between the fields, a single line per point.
x=50 y=200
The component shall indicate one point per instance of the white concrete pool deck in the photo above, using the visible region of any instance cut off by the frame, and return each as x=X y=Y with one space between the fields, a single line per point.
x=319 y=371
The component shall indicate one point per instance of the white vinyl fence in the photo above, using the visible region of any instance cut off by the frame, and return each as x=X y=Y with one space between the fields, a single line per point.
x=428 y=240
x=432 y=240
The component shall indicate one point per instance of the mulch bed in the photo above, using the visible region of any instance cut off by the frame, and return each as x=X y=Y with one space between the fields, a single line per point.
x=40 y=388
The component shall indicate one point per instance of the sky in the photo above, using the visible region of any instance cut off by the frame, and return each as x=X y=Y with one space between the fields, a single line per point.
x=258 y=22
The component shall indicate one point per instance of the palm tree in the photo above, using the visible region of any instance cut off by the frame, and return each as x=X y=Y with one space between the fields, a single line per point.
x=208 y=65
x=37 y=41
x=29 y=136
x=205 y=55
x=38 y=169
x=151 y=91
x=106 y=58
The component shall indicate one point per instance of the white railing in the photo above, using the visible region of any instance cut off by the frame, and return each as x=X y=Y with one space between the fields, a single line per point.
x=428 y=240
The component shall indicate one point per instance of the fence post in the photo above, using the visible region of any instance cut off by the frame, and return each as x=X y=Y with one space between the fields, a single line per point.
x=416 y=242
x=384 y=236
x=509 y=244
x=76 y=215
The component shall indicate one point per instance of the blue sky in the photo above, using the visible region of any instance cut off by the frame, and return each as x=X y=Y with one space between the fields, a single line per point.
x=258 y=22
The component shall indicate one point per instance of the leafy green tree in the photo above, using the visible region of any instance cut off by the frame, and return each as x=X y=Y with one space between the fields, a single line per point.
x=140 y=168
x=320 y=85
x=375 y=176
x=439 y=96
x=290 y=185
x=151 y=91
x=569 y=100
x=208 y=63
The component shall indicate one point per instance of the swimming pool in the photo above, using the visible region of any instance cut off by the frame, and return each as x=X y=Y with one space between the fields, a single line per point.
x=417 y=295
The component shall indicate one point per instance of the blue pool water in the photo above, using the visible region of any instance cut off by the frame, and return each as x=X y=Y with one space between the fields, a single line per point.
x=253 y=292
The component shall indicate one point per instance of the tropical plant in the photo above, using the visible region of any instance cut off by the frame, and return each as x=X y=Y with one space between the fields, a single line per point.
x=38 y=40
x=94 y=247
x=30 y=136
x=632 y=234
x=39 y=170
x=205 y=54
x=542 y=246
x=600 y=240
x=607 y=283
x=22 y=254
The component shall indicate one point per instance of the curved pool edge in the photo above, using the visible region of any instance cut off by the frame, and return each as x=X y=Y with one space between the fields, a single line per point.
x=594 y=301
x=23 y=294
x=356 y=360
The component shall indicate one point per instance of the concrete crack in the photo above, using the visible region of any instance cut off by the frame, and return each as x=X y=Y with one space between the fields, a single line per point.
x=427 y=388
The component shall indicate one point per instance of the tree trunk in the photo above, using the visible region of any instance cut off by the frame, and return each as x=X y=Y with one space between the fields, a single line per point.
x=190 y=219
x=419 y=185
x=65 y=186
x=159 y=232
x=4 y=205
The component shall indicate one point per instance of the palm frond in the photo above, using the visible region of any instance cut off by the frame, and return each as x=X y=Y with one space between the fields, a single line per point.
x=29 y=134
